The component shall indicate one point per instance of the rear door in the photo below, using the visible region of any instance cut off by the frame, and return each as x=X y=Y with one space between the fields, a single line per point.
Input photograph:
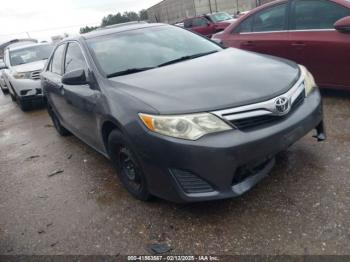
x=316 y=44
x=263 y=32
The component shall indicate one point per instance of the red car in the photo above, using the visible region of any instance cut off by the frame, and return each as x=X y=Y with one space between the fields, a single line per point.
x=209 y=24
x=314 y=33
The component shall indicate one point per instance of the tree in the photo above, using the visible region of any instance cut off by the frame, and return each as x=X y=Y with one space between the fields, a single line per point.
x=117 y=19
x=87 y=29
x=143 y=15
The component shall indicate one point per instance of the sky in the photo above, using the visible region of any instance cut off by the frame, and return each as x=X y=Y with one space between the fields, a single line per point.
x=41 y=19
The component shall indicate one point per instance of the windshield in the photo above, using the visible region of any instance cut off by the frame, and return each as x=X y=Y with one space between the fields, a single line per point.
x=219 y=17
x=30 y=54
x=147 y=48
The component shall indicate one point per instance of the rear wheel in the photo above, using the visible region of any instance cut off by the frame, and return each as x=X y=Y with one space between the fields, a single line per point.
x=128 y=169
x=56 y=122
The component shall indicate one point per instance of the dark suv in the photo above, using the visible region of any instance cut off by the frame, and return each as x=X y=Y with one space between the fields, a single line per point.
x=178 y=116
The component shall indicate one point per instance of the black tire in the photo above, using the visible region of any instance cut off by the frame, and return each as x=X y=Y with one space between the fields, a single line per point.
x=56 y=122
x=4 y=91
x=24 y=105
x=13 y=98
x=127 y=167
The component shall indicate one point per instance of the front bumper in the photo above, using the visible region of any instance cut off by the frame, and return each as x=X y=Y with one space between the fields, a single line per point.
x=27 y=89
x=218 y=159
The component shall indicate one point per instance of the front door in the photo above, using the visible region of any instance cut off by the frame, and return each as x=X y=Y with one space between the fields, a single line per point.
x=81 y=100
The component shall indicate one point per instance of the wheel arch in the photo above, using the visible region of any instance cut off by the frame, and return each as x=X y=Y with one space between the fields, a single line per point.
x=108 y=125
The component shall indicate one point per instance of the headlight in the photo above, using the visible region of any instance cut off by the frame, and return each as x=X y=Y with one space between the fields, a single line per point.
x=190 y=127
x=309 y=81
x=23 y=75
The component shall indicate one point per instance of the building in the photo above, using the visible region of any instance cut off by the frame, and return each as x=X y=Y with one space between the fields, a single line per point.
x=172 y=11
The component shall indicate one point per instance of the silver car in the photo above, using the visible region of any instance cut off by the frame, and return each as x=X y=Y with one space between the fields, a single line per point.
x=2 y=81
x=22 y=73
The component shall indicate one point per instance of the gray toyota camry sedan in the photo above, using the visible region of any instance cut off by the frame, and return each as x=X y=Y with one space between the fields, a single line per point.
x=179 y=117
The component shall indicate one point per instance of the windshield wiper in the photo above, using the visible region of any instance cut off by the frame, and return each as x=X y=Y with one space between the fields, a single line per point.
x=184 y=58
x=137 y=70
x=129 y=71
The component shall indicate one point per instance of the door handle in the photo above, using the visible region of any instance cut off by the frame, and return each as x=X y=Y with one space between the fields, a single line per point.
x=248 y=43
x=298 y=44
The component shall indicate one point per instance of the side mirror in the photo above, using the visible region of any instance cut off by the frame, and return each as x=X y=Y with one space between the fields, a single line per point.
x=343 y=25
x=76 y=77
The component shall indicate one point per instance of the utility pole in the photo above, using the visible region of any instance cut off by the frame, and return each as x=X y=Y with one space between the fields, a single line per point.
x=28 y=34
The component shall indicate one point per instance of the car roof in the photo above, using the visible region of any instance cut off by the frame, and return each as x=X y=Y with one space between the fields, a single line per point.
x=118 y=29
x=19 y=47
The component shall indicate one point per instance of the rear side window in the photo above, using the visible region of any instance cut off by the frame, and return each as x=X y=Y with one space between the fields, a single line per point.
x=316 y=14
x=199 y=22
x=270 y=19
x=246 y=26
x=56 y=62
x=74 y=58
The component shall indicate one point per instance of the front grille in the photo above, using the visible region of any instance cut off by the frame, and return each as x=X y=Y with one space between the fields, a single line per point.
x=249 y=170
x=258 y=121
x=35 y=75
x=191 y=183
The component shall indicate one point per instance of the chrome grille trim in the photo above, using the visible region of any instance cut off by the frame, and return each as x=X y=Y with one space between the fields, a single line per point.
x=35 y=75
x=263 y=108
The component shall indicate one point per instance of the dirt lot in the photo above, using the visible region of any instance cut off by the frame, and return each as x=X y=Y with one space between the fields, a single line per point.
x=302 y=208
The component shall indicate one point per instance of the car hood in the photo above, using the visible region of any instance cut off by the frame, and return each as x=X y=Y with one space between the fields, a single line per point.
x=34 y=66
x=221 y=80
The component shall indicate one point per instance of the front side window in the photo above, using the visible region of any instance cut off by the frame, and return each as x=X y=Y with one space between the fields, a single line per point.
x=56 y=63
x=74 y=58
x=316 y=14
x=30 y=54
x=147 y=48
x=270 y=19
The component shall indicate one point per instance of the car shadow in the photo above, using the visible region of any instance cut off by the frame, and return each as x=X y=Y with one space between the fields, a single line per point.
x=336 y=93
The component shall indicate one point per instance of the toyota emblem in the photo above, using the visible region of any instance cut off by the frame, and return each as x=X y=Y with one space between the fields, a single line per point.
x=282 y=105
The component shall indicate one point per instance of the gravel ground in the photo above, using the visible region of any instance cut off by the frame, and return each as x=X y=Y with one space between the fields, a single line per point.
x=303 y=207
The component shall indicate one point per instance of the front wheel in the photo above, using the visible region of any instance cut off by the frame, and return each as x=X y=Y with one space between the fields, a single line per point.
x=24 y=105
x=128 y=169
x=13 y=98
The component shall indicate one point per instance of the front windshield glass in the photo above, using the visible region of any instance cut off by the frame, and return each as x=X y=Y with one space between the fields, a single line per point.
x=30 y=54
x=147 y=48
x=219 y=17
